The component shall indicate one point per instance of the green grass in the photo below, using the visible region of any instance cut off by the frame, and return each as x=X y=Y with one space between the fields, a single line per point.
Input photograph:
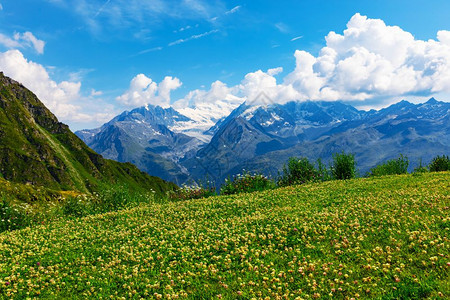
x=37 y=149
x=382 y=238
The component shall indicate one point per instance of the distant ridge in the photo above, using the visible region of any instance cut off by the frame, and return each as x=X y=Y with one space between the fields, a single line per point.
x=36 y=148
x=262 y=137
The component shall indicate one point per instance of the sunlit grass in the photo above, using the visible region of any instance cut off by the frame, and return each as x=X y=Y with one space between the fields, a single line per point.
x=364 y=238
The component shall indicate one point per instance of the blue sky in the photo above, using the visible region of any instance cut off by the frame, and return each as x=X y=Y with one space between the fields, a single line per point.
x=103 y=45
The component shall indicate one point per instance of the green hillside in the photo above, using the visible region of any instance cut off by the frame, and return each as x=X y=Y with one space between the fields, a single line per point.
x=384 y=237
x=36 y=148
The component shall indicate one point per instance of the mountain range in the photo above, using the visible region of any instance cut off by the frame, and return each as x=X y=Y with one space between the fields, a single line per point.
x=37 y=149
x=261 y=138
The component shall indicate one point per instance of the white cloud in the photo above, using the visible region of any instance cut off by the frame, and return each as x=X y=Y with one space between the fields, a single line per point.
x=372 y=60
x=143 y=90
x=368 y=61
x=37 y=44
x=58 y=97
x=283 y=28
x=95 y=93
x=256 y=83
x=275 y=71
x=103 y=16
x=193 y=37
x=233 y=10
x=150 y=50
x=9 y=42
x=23 y=40
x=296 y=38
x=62 y=98
x=99 y=11
x=166 y=86
x=443 y=36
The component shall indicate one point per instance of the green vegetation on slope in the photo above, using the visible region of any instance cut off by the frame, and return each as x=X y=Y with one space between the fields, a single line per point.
x=382 y=237
x=36 y=148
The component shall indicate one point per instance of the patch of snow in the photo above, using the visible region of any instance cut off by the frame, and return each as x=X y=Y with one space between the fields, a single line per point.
x=268 y=123
x=203 y=116
x=275 y=116
x=249 y=112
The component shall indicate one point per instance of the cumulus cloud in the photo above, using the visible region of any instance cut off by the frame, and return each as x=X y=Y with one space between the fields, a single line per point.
x=143 y=90
x=260 y=87
x=275 y=71
x=372 y=60
x=58 y=97
x=62 y=98
x=23 y=40
x=369 y=63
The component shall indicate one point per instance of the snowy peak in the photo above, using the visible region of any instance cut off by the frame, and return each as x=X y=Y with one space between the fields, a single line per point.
x=150 y=114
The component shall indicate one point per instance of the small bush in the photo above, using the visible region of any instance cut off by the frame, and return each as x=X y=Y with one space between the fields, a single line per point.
x=323 y=171
x=11 y=216
x=439 y=164
x=392 y=167
x=75 y=206
x=298 y=171
x=246 y=183
x=118 y=197
x=343 y=166
x=191 y=192
x=420 y=168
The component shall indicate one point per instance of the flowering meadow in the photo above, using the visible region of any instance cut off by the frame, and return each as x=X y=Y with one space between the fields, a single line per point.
x=382 y=237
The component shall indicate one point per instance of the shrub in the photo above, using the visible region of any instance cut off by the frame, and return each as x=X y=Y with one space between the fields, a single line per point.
x=246 y=183
x=439 y=164
x=75 y=206
x=298 y=171
x=420 y=168
x=11 y=216
x=323 y=171
x=392 y=167
x=192 y=192
x=343 y=166
x=117 y=197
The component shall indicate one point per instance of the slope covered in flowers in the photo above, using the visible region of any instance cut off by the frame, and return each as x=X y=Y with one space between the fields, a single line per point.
x=364 y=238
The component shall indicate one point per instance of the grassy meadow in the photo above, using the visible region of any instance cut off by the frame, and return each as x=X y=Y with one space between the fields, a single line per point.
x=380 y=237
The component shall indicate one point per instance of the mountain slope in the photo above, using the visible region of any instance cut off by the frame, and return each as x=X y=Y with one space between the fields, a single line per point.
x=142 y=137
x=36 y=148
x=372 y=238
x=263 y=137
x=319 y=129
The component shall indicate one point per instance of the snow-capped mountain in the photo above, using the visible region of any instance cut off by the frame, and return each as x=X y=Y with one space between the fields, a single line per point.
x=262 y=138
x=172 y=144
x=144 y=137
